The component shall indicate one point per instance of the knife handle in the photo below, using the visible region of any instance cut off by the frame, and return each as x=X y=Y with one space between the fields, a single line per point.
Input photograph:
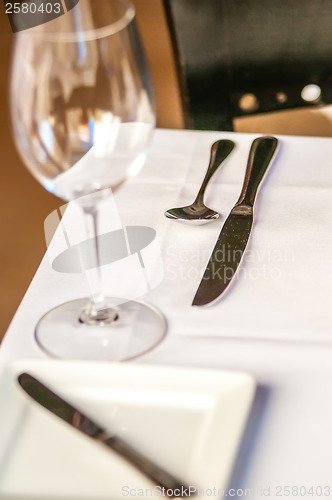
x=157 y=474
x=260 y=156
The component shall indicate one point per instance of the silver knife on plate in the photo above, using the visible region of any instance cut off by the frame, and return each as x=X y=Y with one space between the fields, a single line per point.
x=74 y=417
x=233 y=238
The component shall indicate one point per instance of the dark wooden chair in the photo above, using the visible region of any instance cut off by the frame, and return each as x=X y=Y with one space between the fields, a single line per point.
x=242 y=57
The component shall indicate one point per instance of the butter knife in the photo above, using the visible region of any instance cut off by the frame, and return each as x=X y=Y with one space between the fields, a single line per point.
x=74 y=417
x=231 y=244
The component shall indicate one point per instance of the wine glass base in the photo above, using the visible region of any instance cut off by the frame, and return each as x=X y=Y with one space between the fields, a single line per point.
x=137 y=329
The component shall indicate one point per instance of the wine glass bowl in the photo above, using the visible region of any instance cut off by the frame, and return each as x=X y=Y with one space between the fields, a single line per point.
x=82 y=114
x=80 y=102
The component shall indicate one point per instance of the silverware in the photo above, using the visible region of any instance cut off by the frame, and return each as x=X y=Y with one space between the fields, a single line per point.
x=74 y=417
x=233 y=238
x=197 y=212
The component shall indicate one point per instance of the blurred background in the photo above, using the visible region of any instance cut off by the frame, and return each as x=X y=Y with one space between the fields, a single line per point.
x=24 y=204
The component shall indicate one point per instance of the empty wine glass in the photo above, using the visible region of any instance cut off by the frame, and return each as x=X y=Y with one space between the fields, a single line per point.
x=82 y=115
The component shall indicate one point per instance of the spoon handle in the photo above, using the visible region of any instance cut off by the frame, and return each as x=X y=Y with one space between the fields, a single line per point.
x=219 y=152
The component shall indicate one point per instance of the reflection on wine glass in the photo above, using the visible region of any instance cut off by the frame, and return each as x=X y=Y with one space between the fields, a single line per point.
x=82 y=114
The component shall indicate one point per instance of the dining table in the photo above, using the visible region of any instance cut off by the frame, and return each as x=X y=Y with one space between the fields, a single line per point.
x=274 y=322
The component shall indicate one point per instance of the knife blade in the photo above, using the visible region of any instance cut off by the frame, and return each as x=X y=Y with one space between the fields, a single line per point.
x=233 y=238
x=74 y=417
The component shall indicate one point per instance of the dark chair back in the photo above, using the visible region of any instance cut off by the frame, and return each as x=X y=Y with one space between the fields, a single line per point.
x=242 y=57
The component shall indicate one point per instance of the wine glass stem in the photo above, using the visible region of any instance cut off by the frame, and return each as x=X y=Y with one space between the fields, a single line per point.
x=97 y=310
x=97 y=295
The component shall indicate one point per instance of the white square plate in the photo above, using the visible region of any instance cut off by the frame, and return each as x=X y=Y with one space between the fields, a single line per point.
x=190 y=421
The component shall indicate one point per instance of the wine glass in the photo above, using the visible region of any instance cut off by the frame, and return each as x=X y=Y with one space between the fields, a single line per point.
x=82 y=114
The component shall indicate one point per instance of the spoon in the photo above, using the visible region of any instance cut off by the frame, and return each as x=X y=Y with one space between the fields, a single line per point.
x=197 y=212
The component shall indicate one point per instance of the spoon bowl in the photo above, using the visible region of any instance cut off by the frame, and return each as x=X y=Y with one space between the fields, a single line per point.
x=198 y=212
x=192 y=214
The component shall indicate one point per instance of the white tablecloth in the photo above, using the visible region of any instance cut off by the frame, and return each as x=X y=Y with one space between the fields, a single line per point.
x=274 y=323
